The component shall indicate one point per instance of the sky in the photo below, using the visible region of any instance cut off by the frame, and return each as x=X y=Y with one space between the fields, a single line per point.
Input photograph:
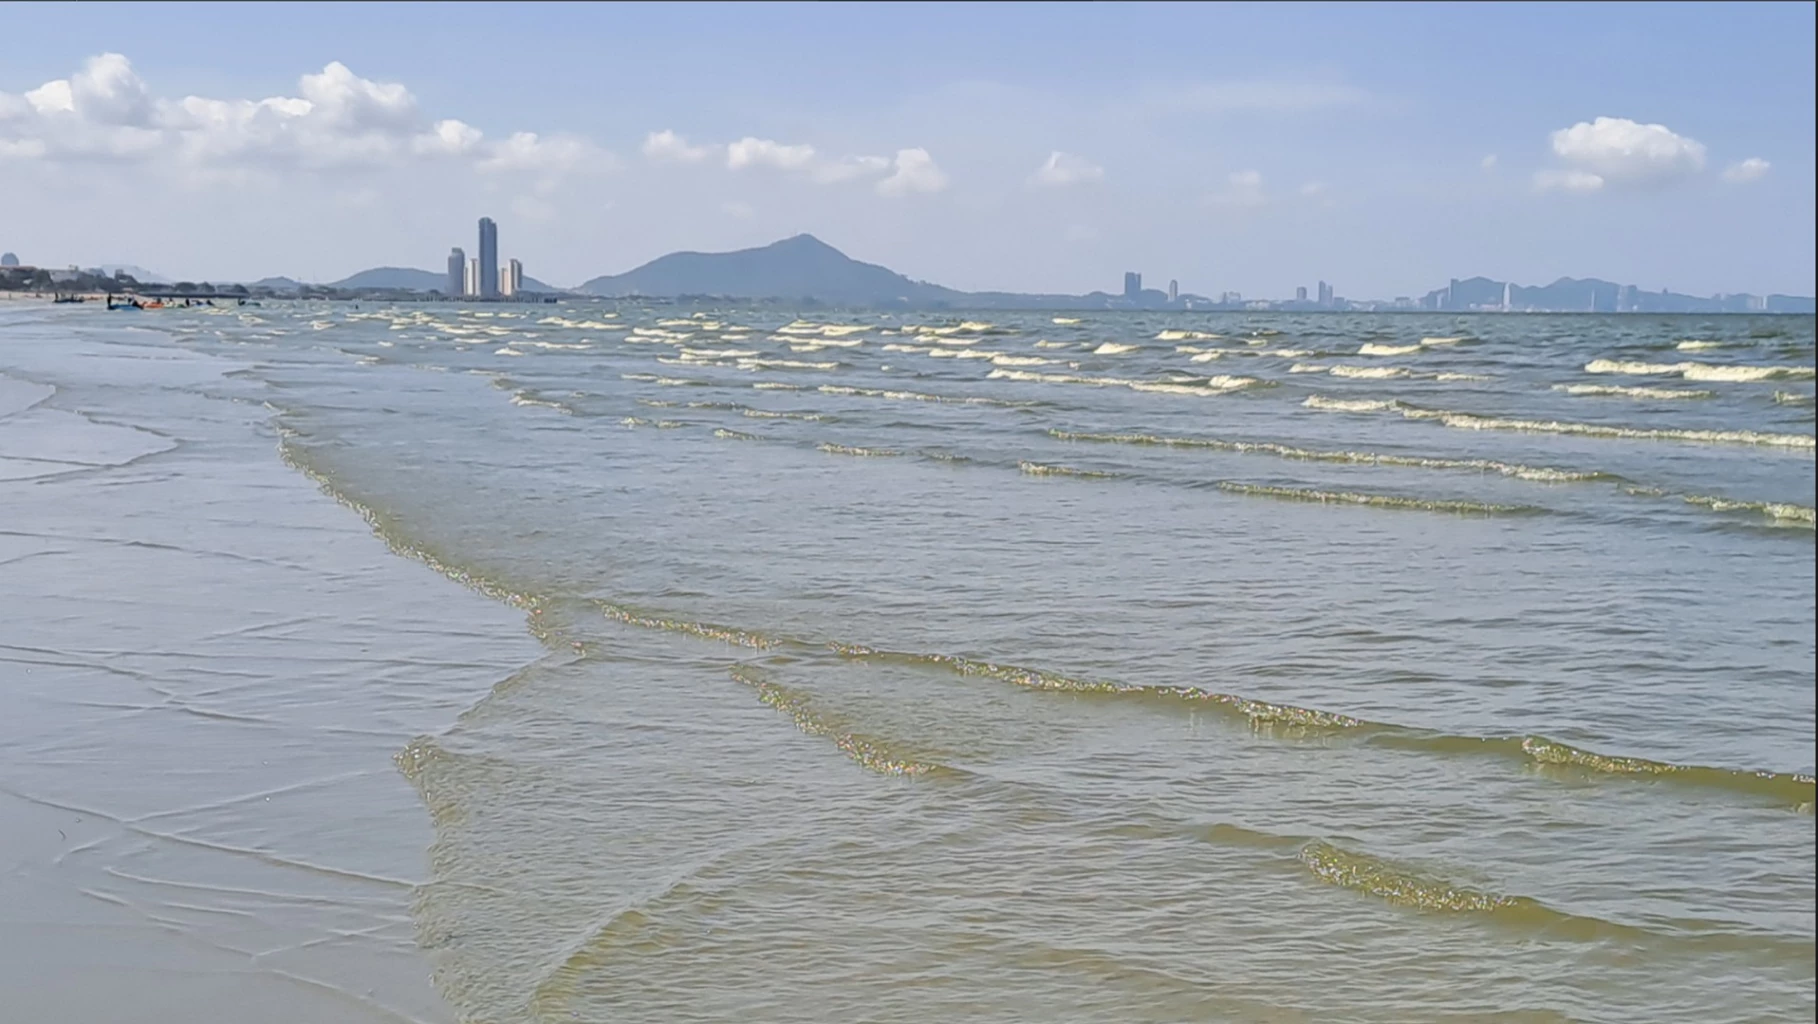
x=1028 y=147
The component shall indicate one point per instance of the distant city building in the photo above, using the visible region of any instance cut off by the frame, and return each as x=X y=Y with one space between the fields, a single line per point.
x=8 y=260
x=1173 y=291
x=470 y=282
x=489 y=259
x=1325 y=294
x=1133 y=284
x=511 y=278
x=1300 y=294
x=1231 y=298
x=457 y=274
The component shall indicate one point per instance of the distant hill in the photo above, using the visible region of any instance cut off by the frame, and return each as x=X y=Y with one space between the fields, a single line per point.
x=794 y=268
x=413 y=280
x=275 y=284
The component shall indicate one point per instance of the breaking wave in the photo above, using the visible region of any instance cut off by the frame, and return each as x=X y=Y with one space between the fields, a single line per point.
x=1474 y=421
x=1626 y=392
x=1376 y=500
x=1543 y=474
x=1698 y=371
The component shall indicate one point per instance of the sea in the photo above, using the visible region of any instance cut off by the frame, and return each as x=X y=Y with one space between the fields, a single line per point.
x=627 y=662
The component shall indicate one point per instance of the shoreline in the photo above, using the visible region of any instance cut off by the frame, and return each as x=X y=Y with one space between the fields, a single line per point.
x=217 y=663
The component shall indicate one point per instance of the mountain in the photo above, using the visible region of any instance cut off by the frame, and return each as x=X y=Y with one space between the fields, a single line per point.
x=803 y=267
x=275 y=284
x=412 y=280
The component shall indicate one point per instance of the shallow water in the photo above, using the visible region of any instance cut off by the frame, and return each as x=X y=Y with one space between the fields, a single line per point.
x=1134 y=668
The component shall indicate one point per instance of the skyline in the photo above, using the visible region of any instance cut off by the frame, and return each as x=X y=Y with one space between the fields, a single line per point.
x=1341 y=160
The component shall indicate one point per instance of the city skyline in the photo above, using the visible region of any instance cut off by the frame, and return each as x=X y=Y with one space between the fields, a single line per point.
x=998 y=164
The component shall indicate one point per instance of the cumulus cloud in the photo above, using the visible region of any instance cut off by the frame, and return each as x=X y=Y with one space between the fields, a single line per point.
x=750 y=152
x=1618 y=151
x=1243 y=190
x=528 y=151
x=338 y=119
x=1066 y=169
x=915 y=171
x=1752 y=169
x=667 y=145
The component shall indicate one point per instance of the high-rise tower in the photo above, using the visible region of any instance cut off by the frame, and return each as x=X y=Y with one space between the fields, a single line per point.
x=457 y=274
x=489 y=259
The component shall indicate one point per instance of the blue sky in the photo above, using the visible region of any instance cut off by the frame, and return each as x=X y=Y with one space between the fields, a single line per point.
x=1028 y=147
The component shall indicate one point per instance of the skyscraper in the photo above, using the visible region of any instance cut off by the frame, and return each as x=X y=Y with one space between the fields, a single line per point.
x=489 y=259
x=1325 y=294
x=470 y=283
x=1173 y=291
x=457 y=274
x=1300 y=294
x=511 y=278
x=1133 y=284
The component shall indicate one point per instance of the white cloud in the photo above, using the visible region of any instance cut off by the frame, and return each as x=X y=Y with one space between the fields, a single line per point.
x=1617 y=151
x=447 y=138
x=1066 y=169
x=1244 y=190
x=750 y=152
x=1752 y=169
x=1313 y=188
x=1568 y=181
x=337 y=120
x=916 y=171
x=528 y=151
x=1488 y=163
x=667 y=145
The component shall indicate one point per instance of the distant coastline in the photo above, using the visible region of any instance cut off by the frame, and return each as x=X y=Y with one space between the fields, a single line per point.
x=805 y=272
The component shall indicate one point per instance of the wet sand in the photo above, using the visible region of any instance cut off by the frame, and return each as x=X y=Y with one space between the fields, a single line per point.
x=208 y=668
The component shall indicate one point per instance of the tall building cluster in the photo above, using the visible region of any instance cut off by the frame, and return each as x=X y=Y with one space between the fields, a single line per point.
x=483 y=276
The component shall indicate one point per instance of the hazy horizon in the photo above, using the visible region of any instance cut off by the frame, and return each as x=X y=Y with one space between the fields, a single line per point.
x=1382 y=149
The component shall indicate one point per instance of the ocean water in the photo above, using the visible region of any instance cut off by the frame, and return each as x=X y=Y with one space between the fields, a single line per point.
x=1079 y=667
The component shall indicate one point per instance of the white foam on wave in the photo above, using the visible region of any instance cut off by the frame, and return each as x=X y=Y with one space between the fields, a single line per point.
x=1309 y=368
x=1474 y=421
x=1370 y=348
x=1369 y=372
x=1615 y=390
x=1187 y=336
x=1112 y=348
x=1008 y=360
x=1218 y=385
x=1781 y=512
x=1054 y=344
x=1698 y=371
x=1065 y=320
x=1429 y=342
